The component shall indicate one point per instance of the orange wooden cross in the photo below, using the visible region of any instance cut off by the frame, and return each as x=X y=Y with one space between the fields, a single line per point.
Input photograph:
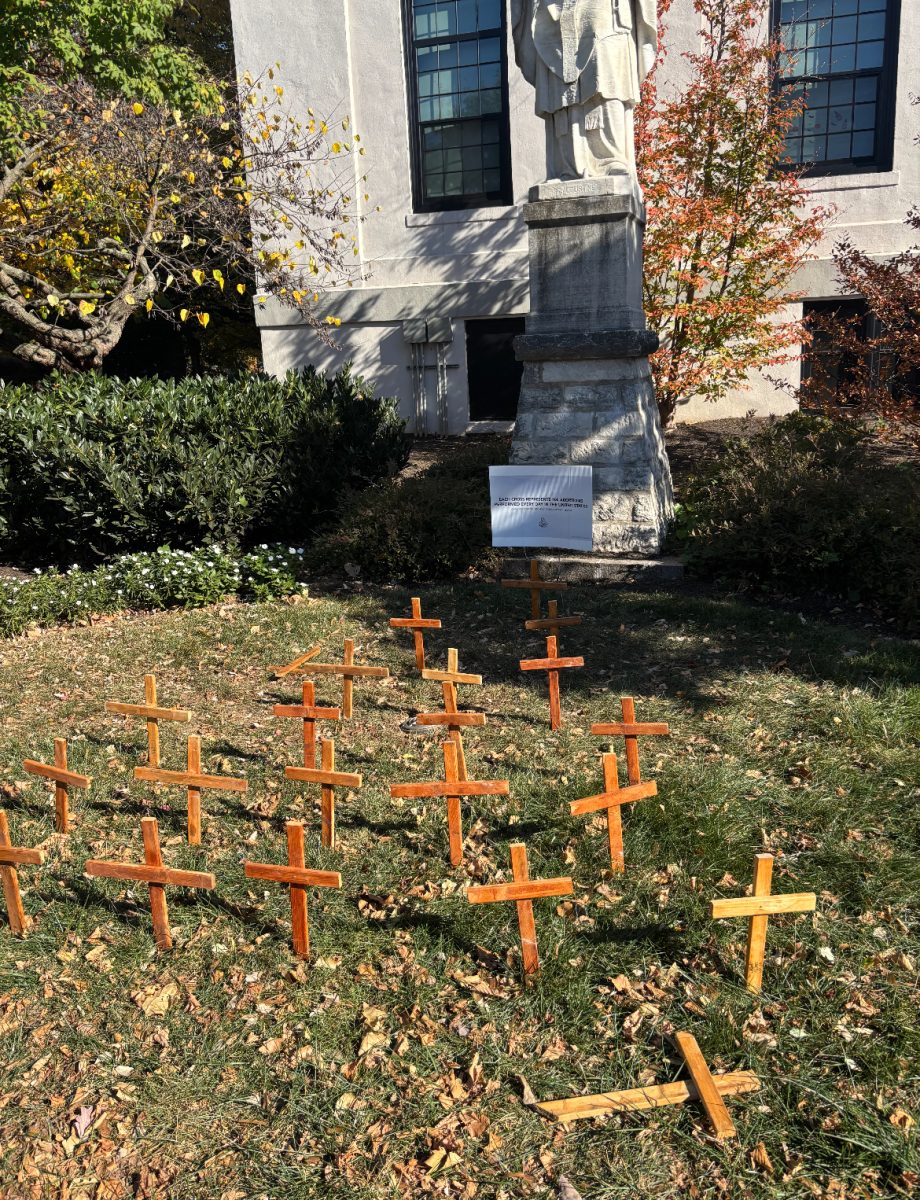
x=612 y=800
x=63 y=780
x=760 y=906
x=523 y=892
x=309 y=714
x=552 y=622
x=552 y=664
x=298 y=879
x=536 y=585
x=451 y=717
x=153 y=715
x=293 y=667
x=155 y=875
x=631 y=730
x=349 y=673
x=328 y=779
x=418 y=624
x=12 y=857
x=710 y=1089
x=195 y=782
x=452 y=789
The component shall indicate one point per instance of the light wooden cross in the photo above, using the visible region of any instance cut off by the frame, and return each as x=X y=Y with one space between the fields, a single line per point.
x=760 y=907
x=309 y=714
x=195 y=782
x=552 y=622
x=298 y=879
x=349 y=673
x=328 y=779
x=153 y=715
x=452 y=789
x=293 y=667
x=63 y=780
x=523 y=892
x=552 y=664
x=631 y=730
x=155 y=875
x=536 y=585
x=451 y=718
x=612 y=800
x=418 y=624
x=12 y=857
x=704 y=1086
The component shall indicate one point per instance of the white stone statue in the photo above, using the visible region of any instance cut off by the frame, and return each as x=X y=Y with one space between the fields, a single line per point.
x=587 y=60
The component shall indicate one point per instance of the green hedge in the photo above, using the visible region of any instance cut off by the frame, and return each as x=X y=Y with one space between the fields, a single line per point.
x=92 y=466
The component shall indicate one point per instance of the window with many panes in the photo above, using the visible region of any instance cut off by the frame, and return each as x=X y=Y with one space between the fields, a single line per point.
x=840 y=58
x=458 y=101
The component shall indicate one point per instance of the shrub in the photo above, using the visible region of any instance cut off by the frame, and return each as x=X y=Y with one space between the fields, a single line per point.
x=90 y=466
x=808 y=505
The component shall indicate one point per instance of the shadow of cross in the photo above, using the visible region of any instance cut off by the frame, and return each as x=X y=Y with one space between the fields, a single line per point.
x=194 y=781
x=349 y=673
x=153 y=715
x=12 y=857
x=63 y=780
x=631 y=730
x=298 y=878
x=451 y=717
x=452 y=789
x=309 y=714
x=328 y=779
x=418 y=624
x=155 y=875
x=612 y=799
x=536 y=585
x=523 y=891
x=552 y=664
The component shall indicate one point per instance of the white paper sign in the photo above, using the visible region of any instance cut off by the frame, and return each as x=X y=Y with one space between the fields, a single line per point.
x=542 y=506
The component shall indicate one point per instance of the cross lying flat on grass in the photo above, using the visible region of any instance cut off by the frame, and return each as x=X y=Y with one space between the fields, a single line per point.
x=612 y=799
x=452 y=789
x=703 y=1086
x=293 y=667
x=155 y=875
x=298 y=879
x=536 y=586
x=523 y=891
x=329 y=779
x=12 y=857
x=552 y=664
x=760 y=907
x=451 y=717
x=552 y=622
x=309 y=714
x=418 y=624
x=63 y=780
x=349 y=673
x=631 y=730
x=194 y=782
x=153 y=715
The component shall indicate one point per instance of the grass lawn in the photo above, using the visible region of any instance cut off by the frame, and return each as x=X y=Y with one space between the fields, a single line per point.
x=394 y=1065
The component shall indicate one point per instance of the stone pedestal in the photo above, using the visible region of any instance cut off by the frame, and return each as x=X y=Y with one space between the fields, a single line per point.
x=587 y=396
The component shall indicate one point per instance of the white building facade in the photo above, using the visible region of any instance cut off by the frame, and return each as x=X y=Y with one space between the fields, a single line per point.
x=452 y=147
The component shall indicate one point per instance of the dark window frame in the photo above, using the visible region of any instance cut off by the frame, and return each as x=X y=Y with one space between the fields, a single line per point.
x=503 y=198
x=887 y=75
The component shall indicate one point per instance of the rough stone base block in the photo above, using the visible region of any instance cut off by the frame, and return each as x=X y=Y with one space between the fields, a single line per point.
x=598 y=568
x=602 y=413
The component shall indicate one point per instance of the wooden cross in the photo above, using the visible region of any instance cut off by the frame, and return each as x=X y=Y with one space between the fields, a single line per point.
x=63 y=781
x=195 y=782
x=157 y=877
x=12 y=857
x=612 y=799
x=704 y=1086
x=451 y=717
x=452 y=789
x=552 y=622
x=329 y=779
x=523 y=892
x=349 y=673
x=293 y=667
x=298 y=879
x=309 y=714
x=536 y=586
x=760 y=907
x=418 y=624
x=631 y=730
x=153 y=715
x=553 y=664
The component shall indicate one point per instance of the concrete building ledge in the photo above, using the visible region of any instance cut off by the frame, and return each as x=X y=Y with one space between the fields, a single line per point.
x=464 y=216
